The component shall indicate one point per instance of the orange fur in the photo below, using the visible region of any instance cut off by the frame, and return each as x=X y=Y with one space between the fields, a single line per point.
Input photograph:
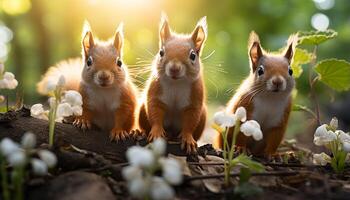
x=175 y=107
x=271 y=109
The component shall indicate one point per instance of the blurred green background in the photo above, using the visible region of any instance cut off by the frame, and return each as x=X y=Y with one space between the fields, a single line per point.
x=35 y=34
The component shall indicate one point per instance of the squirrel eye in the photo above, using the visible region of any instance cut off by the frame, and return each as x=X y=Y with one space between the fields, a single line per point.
x=89 y=61
x=290 y=71
x=261 y=70
x=161 y=52
x=119 y=63
x=192 y=55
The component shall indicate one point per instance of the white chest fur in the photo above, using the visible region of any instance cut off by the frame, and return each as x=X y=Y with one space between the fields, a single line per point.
x=176 y=96
x=268 y=111
x=103 y=102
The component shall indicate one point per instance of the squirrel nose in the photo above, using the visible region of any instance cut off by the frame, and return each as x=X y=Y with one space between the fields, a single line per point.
x=277 y=82
x=104 y=76
x=175 y=70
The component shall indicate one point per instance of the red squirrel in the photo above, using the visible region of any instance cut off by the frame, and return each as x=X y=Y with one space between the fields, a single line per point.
x=174 y=102
x=266 y=95
x=109 y=96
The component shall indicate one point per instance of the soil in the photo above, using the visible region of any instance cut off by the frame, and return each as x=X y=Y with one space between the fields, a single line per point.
x=89 y=167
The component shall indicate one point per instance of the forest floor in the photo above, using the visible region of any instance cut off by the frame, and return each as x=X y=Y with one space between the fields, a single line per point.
x=89 y=167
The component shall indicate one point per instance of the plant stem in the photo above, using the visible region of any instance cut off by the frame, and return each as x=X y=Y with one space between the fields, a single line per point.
x=52 y=119
x=7 y=102
x=18 y=182
x=225 y=151
x=4 y=183
x=312 y=82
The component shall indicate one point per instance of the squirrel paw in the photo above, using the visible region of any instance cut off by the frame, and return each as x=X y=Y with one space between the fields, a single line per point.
x=117 y=134
x=82 y=123
x=156 y=133
x=188 y=143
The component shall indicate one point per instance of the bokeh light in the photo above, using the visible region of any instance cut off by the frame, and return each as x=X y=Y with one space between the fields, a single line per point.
x=15 y=7
x=324 y=4
x=320 y=22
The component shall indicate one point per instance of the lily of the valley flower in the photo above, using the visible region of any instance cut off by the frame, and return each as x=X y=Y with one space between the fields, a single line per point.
x=171 y=171
x=345 y=140
x=140 y=174
x=321 y=159
x=17 y=158
x=252 y=128
x=48 y=158
x=8 y=81
x=160 y=190
x=323 y=136
x=28 y=140
x=334 y=123
x=39 y=167
x=224 y=119
x=7 y=146
x=139 y=156
x=241 y=114
x=37 y=111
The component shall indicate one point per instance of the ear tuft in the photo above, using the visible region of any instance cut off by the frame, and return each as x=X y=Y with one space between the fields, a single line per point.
x=119 y=39
x=290 y=49
x=255 y=51
x=164 y=29
x=200 y=33
x=87 y=38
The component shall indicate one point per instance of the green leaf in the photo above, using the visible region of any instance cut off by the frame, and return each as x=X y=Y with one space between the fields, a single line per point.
x=301 y=57
x=249 y=163
x=247 y=189
x=244 y=175
x=334 y=73
x=316 y=37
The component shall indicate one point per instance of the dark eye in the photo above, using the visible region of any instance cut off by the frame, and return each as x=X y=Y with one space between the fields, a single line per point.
x=161 y=52
x=290 y=71
x=261 y=70
x=193 y=56
x=119 y=63
x=89 y=61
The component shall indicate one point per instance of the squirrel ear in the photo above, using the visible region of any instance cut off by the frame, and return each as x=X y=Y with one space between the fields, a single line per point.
x=164 y=29
x=255 y=51
x=199 y=34
x=292 y=42
x=88 y=39
x=119 y=39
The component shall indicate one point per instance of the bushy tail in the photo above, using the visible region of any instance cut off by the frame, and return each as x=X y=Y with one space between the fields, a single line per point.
x=71 y=69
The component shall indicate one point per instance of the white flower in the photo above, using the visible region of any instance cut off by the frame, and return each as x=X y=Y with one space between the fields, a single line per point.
x=138 y=188
x=171 y=171
x=323 y=136
x=252 y=128
x=28 y=140
x=37 y=111
x=334 y=123
x=64 y=110
x=344 y=139
x=51 y=85
x=321 y=159
x=224 y=119
x=61 y=81
x=39 y=167
x=160 y=190
x=140 y=156
x=73 y=98
x=8 y=81
x=131 y=172
x=77 y=110
x=159 y=146
x=7 y=146
x=241 y=114
x=48 y=157
x=17 y=158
